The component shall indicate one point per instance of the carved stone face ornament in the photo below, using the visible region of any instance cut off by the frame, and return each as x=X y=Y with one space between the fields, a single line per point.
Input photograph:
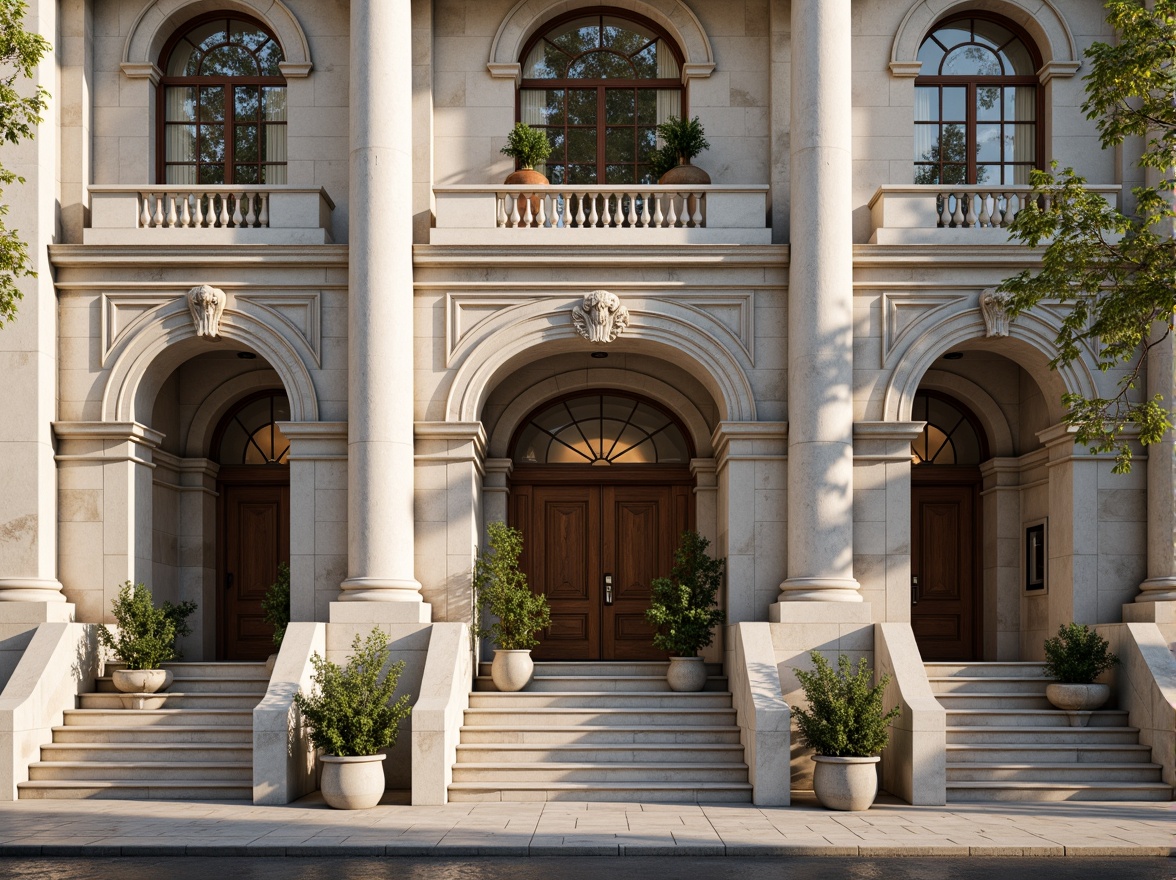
x=207 y=304
x=600 y=318
x=993 y=307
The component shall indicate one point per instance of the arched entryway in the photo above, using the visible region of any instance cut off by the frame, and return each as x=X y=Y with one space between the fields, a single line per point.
x=253 y=521
x=602 y=491
x=946 y=549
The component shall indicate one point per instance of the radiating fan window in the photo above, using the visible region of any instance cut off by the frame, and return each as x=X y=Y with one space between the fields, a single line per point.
x=601 y=430
x=251 y=434
x=949 y=437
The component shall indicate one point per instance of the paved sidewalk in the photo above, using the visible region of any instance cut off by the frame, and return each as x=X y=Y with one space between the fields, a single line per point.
x=890 y=828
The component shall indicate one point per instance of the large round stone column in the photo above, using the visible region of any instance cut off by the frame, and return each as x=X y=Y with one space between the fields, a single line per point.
x=820 y=309
x=380 y=366
x=1160 y=585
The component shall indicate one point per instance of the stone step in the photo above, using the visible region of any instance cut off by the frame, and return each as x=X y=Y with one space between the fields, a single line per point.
x=549 y=771
x=1047 y=753
x=600 y=717
x=621 y=683
x=603 y=669
x=157 y=717
x=175 y=699
x=1055 y=773
x=952 y=701
x=1028 y=718
x=170 y=750
x=200 y=685
x=958 y=792
x=1014 y=737
x=988 y=685
x=644 y=792
x=529 y=702
x=239 y=773
x=184 y=669
x=599 y=753
x=144 y=789
x=595 y=734
x=984 y=670
x=160 y=733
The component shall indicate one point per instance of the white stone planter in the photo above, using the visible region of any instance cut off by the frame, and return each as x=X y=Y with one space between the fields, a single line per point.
x=141 y=681
x=353 y=783
x=512 y=670
x=845 y=783
x=1078 y=700
x=686 y=674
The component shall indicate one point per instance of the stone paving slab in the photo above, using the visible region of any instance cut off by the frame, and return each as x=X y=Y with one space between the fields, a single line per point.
x=309 y=828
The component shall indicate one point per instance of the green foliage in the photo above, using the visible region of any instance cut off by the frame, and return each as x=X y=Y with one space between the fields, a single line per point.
x=1077 y=654
x=684 y=609
x=500 y=588
x=276 y=604
x=20 y=52
x=844 y=718
x=1114 y=271
x=528 y=145
x=349 y=710
x=146 y=636
x=683 y=138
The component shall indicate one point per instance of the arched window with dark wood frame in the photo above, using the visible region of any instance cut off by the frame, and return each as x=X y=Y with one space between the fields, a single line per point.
x=978 y=107
x=222 y=104
x=598 y=82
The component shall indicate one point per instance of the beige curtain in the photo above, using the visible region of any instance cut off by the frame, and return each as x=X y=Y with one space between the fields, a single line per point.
x=532 y=103
x=180 y=140
x=669 y=103
x=1025 y=133
x=275 y=134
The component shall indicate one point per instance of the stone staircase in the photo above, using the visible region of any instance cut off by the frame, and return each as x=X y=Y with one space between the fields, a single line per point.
x=1005 y=742
x=197 y=746
x=600 y=732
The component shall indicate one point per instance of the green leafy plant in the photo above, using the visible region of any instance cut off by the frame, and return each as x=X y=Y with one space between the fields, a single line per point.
x=683 y=138
x=527 y=145
x=500 y=588
x=683 y=608
x=844 y=718
x=349 y=710
x=1077 y=654
x=276 y=604
x=146 y=635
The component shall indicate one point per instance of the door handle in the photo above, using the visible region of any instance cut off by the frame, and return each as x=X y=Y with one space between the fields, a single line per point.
x=914 y=589
x=228 y=580
x=608 y=594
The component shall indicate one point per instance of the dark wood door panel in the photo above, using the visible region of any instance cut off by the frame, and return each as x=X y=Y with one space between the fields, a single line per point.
x=255 y=532
x=565 y=567
x=944 y=558
x=638 y=547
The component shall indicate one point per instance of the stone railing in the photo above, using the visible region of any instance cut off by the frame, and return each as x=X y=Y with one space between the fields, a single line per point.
x=209 y=215
x=601 y=214
x=932 y=214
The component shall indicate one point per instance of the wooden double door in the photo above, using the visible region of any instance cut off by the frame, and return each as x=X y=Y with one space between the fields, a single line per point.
x=593 y=549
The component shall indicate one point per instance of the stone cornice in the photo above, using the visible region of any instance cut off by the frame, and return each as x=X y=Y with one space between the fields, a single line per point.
x=81 y=256
x=695 y=256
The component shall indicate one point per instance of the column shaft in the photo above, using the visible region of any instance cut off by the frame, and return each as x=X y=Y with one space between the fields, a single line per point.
x=1161 y=481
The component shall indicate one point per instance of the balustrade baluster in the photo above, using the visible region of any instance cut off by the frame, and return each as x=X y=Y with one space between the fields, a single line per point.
x=223 y=216
x=544 y=215
x=529 y=215
x=515 y=217
x=957 y=216
x=699 y=203
x=197 y=210
x=606 y=214
x=1010 y=209
x=645 y=219
x=237 y=217
x=658 y=216
x=500 y=210
x=565 y=211
x=251 y=215
x=593 y=216
x=632 y=213
x=671 y=214
x=144 y=211
x=984 y=218
x=170 y=219
x=970 y=216
x=185 y=214
x=944 y=200
x=580 y=219
x=263 y=215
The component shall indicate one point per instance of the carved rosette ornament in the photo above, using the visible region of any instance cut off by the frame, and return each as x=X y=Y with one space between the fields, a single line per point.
x=207 y=304
x=994 y=308
x=600 y=318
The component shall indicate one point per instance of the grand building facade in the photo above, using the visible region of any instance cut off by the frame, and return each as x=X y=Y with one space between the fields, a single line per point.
x=286 y=310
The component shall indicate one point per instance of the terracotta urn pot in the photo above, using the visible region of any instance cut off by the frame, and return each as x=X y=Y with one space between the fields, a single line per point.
x=512 y=670
x=684 y=174
x=686 y=674
x=354 y=782
x=527 y=177
x=845 y=783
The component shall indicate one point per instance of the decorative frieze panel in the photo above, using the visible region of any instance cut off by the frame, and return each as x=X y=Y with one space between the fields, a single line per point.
x=994 y=309
x=601 y=317
x=901 y=312
x=207 y=304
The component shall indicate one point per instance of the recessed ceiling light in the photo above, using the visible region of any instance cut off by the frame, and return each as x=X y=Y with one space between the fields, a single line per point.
x=600 y=354
x=953 y=355
x=246 y=355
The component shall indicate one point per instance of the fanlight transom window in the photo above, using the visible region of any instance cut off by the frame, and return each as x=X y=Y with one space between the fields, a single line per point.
x=601 y=429
x=949 y=436
x=250 y=434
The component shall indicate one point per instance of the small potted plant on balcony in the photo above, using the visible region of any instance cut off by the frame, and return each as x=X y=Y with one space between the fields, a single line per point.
x=683 y=139
x=352 y=718
x=684 y=611
x=528 y=147
x=501 y=590
x=1076 y=656
x=845 y=725
x=276 y=608
x=144 y=640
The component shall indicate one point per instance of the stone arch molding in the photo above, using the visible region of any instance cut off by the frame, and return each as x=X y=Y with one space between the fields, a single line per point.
x=527 y=16
x=161 y=18
x=682 y=334
x=218 y=402
x=980 y=402
x=1040 y=18
x=166 y=337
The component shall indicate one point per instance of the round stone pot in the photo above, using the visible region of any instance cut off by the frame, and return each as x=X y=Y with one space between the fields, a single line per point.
x=1077 y=697
x=845 y=783
x=527 y=177
x=354 y=783
x=512 y=670
x=141 y=681
x=686 y=674
x=684 y=174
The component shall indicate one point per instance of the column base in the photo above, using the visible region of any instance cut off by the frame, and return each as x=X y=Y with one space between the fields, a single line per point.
x=820 y=589
x=381 y=612
x=369 y=589
x=31 y=590
x=1157 y=590
x=1161 y=611
x=33 y=613
x=821 y=612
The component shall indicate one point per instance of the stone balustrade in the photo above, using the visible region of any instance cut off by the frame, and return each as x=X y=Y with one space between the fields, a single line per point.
x=934 y=214
x=601 y=214
x=209 y=215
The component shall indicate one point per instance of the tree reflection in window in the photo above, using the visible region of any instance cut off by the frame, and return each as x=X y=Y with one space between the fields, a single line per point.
x=250 y=434
x=601 y=430
x=949 y=436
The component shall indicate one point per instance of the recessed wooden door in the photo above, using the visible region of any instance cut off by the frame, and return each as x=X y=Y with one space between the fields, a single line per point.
x=256 y=530
x=944 y=586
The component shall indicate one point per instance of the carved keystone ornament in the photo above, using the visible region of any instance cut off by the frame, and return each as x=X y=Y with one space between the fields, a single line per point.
x=600 y=318
x=207 y=304
x=994 y=308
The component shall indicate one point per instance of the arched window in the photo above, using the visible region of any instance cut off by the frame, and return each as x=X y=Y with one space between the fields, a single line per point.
x=249 y=433
x=222 y=104
x=598 y=84
x=601 y=429
x=950 y=436
x=977 y=113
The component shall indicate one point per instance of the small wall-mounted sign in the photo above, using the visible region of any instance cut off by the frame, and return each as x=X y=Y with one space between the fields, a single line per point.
x=1036 y=559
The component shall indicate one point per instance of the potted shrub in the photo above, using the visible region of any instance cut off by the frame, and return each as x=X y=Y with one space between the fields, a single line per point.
x=683 y=139
x=845 y=725
x=684 y=611
x=276 y=608
x=1076 y=656
x=351 y=719
x=144 y=641
x=500 y=589
x=528 y=147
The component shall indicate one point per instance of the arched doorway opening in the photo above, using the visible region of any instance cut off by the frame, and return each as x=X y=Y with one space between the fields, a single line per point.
x=253 y=520
x=602 y=490
x=946 y=579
